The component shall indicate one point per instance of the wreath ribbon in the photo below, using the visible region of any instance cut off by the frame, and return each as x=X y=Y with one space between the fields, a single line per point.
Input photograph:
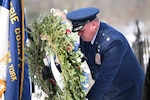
x=3 y=83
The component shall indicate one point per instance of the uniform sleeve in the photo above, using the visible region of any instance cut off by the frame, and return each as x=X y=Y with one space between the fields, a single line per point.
x=111 y=60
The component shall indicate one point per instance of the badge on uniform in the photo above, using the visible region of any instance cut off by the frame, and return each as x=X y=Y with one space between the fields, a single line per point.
x=98 y=58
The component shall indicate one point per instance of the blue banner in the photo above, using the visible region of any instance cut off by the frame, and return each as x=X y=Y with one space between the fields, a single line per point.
x=17 y=78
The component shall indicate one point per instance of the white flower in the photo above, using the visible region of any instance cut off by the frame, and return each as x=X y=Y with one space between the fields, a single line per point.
x=78 y=60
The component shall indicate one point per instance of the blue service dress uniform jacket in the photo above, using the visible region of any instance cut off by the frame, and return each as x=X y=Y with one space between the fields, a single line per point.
x=117 y=75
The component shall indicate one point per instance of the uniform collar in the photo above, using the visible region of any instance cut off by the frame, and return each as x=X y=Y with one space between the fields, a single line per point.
x=92 y=42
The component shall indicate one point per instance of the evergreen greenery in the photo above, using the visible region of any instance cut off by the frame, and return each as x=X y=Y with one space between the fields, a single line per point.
x=50 y=37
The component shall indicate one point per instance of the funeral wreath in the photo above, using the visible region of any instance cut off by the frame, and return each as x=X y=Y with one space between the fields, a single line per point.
x=52 y=40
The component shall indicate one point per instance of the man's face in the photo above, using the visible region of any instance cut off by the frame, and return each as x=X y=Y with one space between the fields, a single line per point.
x=87 y=32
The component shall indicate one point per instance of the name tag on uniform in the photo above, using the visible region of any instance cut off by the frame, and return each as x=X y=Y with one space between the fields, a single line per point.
x=98 y=58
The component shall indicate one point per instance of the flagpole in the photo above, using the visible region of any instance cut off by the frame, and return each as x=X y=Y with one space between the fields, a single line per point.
x=22 y=72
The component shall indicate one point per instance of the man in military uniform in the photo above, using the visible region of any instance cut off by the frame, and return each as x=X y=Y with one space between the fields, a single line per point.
x=114 y=67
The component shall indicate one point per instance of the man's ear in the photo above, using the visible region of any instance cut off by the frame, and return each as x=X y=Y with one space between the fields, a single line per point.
x=93 y=25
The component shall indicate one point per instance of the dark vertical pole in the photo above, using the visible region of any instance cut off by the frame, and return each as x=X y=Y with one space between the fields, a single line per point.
x=138 y=45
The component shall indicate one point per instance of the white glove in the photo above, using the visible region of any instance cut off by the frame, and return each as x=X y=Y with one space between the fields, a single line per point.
x=89 y=81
